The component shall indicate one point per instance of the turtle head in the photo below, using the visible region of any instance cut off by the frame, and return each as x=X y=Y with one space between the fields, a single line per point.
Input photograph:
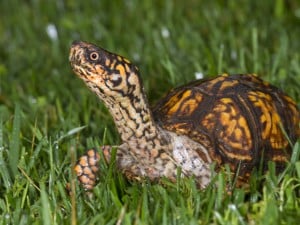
x=117 y=83
x=110 y=76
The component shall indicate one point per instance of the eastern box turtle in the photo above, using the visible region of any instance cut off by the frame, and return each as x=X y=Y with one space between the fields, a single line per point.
x=238 y=120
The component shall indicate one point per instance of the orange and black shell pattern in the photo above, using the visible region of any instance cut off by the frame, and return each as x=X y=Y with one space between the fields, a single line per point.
x=238 y=118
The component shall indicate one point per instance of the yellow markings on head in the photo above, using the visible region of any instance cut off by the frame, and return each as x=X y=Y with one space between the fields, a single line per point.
x=126 y=60
x=113 y=63
x=122 y=59
x=121 y=69
x=107 y=62
x=126 y=67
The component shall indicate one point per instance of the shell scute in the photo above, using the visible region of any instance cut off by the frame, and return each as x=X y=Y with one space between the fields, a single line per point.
x=238 y=118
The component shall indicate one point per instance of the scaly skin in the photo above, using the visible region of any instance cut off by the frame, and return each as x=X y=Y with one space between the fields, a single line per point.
x=147 y=149
x=235 y=120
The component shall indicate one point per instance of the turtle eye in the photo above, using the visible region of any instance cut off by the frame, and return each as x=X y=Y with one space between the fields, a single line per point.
x=94 y=56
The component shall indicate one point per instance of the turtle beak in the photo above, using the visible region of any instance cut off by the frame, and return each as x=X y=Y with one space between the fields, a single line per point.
x=71 y=55
x=75 y=52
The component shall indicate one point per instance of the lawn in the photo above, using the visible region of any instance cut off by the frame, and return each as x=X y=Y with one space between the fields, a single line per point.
x=48 y=117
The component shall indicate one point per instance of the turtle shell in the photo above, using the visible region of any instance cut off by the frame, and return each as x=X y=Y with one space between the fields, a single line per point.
x=240 y=119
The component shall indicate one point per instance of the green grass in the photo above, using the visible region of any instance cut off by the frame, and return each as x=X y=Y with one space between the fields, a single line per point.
x=45 y=111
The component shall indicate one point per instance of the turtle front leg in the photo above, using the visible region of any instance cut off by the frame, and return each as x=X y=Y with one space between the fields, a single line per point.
x=87 y=166
x=130 y=165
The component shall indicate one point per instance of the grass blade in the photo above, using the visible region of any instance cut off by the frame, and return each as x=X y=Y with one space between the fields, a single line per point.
x=4 y=173
x=45 y=209
x=14 y=151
